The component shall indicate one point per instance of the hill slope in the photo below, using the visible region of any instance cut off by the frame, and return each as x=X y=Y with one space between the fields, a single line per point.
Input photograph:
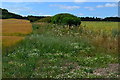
x=5 y=14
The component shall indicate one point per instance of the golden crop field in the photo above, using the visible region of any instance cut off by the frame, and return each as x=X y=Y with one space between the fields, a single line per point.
x=0 y=42
x=10 y=40
x=16 y=27
x=14 y=30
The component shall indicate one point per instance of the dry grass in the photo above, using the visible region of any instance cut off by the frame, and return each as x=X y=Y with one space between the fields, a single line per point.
x=101 y=34
x=16 y=27
x=14 y=30
x=0 y=42
x=8 y=41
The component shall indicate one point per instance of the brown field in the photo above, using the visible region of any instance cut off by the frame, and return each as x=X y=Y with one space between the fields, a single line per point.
x=14 y=27
x=0 y=42
x=10 y=40
x=14 y=30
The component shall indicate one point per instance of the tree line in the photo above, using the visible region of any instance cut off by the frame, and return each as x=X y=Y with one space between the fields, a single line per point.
x=116 y=19
x=5 y=14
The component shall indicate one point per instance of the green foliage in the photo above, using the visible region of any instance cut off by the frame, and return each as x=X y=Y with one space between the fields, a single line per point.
x=66 y=19
x=47 y=19
x=32 y=18
x=5 y=14
x=49 y=52
x=35 y=27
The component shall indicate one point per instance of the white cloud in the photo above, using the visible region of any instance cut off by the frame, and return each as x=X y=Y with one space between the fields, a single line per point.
x=66 y=7
x=18 y=10
x=80 y=14
x=107 y=5
x=96 y=0
x=59 y=0
x=90 y=8
x=80 y=0
x=23 y=10
x=99 y=6
x=110 y=5
x=46 y=15
x=21 y=0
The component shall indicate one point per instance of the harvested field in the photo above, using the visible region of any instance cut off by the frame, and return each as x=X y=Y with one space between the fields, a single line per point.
x=10 y=40
x=14 y=27
x=14 y=30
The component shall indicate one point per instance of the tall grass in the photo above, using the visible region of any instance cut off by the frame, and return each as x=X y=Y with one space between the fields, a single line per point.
x=57 y=51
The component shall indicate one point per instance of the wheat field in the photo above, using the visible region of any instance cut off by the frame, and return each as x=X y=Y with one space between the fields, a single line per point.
x=16 y=27
x=14 y=30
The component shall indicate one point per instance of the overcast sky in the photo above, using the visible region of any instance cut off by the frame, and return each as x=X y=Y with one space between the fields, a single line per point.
x=93 y=9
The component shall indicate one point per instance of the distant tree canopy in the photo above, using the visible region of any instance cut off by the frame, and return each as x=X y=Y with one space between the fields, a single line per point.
x=5 y=15
x=46 y=19
x=66 y=19
x=34 y=18
x=116 y=19
x=112 y=19
x=90 y=19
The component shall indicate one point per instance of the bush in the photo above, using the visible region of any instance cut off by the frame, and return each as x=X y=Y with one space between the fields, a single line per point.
x=66 y=19
x=32 y=18
x=47 y=19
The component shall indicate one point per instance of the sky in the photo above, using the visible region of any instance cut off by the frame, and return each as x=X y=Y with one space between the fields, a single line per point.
x=60 y=0
x=81 y=9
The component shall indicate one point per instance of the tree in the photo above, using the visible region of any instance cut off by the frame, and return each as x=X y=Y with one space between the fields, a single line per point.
x=66 y=19
x=46 y=19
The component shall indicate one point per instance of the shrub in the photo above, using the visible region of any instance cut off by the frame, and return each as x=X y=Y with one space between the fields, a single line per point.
x=47 y=19
x=32 y=18
x=66 y=19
